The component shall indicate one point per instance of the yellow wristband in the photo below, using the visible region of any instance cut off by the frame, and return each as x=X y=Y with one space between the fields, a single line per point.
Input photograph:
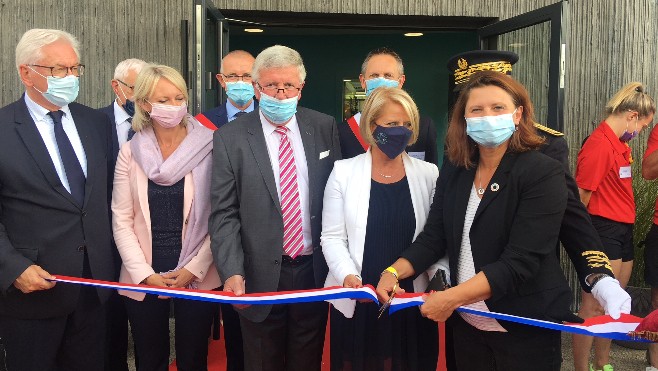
x=392 y=271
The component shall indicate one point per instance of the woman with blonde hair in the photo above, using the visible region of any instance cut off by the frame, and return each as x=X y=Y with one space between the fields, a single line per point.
x=160 y=208
x=605 y=184
x=374 y=206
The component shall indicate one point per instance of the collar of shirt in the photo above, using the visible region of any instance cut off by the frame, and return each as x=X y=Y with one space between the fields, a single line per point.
x=617 y=145
x=231 y=110
x=40 y=113
x=120 y=115
x=268 y=128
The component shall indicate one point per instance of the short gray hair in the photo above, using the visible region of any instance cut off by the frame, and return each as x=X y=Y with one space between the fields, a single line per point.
x=382 y=51
x=28 y=49
x=278 y=56
x=125 y=66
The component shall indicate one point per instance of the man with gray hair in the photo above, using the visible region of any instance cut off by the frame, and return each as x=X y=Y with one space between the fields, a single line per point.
x=54 y=216
x=121 y=113
x=270 y=168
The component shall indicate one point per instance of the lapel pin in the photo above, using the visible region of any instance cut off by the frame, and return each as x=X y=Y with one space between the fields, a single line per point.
x=495 y=187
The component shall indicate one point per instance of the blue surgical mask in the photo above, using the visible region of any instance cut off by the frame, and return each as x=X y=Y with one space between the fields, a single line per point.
x=240 y=92
x=129 y=106
x=491 y=131
x=61 y=90
x=279 y=111
x=626 y=137
x=392 y=140
x=377 y=82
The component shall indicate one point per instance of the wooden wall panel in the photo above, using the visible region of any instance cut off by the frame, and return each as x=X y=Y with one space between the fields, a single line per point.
x=109 y=32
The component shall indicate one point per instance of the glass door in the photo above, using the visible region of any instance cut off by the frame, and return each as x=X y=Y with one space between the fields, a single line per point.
x=537 y=37
x=211 y=44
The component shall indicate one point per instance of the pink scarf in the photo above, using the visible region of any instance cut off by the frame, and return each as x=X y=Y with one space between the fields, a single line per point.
x=194 y=155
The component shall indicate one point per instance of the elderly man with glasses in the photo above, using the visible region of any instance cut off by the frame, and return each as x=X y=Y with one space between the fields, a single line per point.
x=235 y=78
x=55 y=220
x=270 y=168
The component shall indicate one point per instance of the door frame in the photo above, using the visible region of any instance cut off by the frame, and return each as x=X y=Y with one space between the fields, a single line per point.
x=202 y=76
x=557 y=15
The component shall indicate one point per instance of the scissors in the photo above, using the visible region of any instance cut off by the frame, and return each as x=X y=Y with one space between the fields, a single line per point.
x=386 y=305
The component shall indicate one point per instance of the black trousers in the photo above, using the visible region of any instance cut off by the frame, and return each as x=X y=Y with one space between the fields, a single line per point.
x=537 y=349
x=68 y=343
x=292 y=335
x=116 y=353
x=149 y=323
x=232 y=338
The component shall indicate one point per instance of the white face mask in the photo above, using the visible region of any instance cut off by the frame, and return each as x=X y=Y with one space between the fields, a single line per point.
x=166 y=115
x=491 y=131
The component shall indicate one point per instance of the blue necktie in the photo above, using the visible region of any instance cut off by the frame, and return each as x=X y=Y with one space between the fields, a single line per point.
x=70 y=161
x=131 y=132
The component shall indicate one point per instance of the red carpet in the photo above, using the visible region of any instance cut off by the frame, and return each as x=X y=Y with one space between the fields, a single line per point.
x=217 y=353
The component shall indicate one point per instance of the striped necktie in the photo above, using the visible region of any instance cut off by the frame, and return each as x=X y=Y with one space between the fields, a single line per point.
x=293 y=241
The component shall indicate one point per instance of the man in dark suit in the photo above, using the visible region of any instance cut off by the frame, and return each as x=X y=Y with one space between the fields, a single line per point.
x=235 y=78
x=270 y=168
x=120 y=112
x=54 y=219
x=383 y=67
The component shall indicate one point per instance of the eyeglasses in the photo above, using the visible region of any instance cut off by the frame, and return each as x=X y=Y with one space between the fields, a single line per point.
x=131 y=87
x=234 y=78
x=77 y=70
x=289 y=90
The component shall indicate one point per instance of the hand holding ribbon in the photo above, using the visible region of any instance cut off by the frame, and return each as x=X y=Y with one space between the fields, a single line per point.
x=612 y=297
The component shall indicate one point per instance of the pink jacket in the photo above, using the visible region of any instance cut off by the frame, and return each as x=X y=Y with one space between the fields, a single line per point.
x=131 y=223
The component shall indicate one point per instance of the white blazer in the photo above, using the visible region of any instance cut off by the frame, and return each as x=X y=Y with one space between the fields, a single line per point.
x=345 y=217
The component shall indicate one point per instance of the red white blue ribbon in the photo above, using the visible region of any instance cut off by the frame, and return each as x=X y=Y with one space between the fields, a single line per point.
x=602 y=326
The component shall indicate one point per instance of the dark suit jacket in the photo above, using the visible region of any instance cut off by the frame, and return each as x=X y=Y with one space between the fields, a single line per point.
x=513 y=235
x=218 y=115
x=580 y=239
x=246 y=224
x=426 y=142
x=113 y=145
x=40 y=223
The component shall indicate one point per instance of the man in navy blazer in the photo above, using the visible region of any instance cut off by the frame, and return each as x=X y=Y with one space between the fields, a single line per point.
x=54 y=219
x=235 y=78
x=120 y=112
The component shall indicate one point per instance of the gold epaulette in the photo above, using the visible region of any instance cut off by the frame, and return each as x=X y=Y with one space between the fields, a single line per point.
x=548 y=130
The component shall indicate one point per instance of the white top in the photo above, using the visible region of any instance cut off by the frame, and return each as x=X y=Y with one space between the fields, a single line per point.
x=46 y=127
x=122 y=124
x=294 y=136
x=466 y=270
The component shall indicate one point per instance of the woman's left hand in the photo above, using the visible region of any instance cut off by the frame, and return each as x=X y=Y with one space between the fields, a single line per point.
x=437 y=306
x=180 y=278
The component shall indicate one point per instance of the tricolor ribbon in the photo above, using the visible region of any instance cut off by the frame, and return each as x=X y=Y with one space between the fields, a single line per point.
x=601 y=326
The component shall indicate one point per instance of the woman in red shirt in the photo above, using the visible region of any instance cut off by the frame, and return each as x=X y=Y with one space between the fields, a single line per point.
x=603 y=175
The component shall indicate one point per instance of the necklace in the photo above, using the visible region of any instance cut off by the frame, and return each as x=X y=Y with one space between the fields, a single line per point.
x=385 y=176
x=479 y=189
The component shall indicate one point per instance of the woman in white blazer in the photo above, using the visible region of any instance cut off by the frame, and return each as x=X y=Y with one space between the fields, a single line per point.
x=374 y=206
x=160 y=207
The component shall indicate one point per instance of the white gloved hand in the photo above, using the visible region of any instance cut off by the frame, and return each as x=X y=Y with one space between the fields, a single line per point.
x=612 y=297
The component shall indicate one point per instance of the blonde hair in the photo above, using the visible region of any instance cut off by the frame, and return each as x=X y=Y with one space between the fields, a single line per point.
x=631 y=98
x=375 y=103
x=145 y=86
x=28 y=49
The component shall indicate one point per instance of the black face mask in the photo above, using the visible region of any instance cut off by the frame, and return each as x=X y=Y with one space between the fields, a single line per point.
x=129 y=107
x=392 y=140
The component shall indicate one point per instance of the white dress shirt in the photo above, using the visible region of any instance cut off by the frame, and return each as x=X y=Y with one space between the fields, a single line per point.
x=122 y=124
x=294 y=136
x=46 y=127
